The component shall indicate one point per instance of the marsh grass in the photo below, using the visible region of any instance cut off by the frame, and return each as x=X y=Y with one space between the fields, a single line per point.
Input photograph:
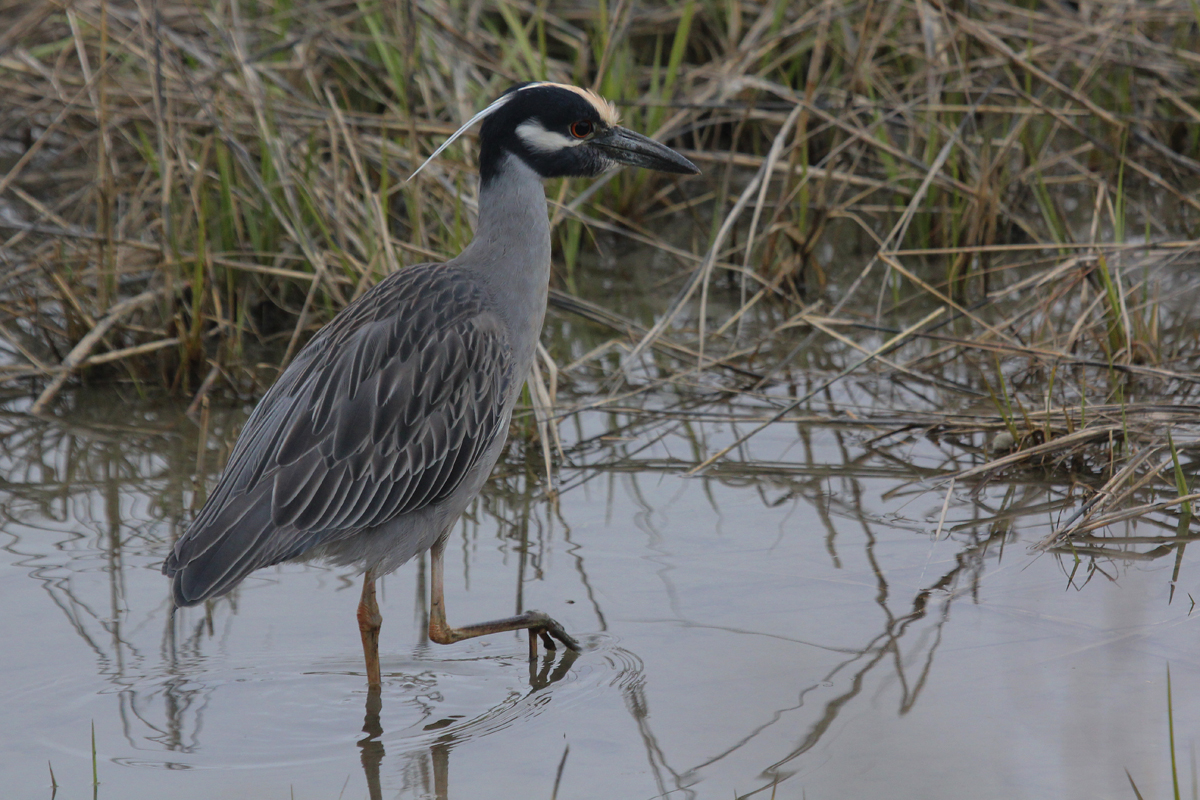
x=1171 y=744
x=190 y=190
x=95 y=768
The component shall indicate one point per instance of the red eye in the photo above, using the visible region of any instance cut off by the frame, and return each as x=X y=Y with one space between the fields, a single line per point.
x=582 y=129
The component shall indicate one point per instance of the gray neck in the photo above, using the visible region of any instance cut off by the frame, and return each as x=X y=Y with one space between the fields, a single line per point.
x=510 y=254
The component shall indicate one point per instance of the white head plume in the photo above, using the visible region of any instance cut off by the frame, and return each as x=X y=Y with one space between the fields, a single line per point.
x=496 y=105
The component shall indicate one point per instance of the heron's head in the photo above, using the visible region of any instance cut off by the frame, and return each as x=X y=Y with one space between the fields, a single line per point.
x=562 y=131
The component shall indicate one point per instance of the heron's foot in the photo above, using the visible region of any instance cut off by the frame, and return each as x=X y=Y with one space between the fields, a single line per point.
x=545 y=628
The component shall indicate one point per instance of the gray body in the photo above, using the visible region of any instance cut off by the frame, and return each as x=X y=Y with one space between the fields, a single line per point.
x=323 y=464
x=509 y=260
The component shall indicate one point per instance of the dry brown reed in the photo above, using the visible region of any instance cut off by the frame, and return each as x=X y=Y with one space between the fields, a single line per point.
x=189 y=190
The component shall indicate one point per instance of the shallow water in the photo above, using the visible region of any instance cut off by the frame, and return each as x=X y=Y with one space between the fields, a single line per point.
x=791 y=630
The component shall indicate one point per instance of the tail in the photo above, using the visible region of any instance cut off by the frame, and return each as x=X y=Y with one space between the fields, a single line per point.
x=221 y=549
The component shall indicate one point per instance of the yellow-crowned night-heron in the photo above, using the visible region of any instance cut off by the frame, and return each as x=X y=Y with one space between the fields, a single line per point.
x=388 y=422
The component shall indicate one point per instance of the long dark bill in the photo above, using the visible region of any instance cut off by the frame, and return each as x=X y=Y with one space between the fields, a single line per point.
x=627 y=147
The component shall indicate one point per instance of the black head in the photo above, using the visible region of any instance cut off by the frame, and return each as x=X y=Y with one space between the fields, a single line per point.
x=561 y=131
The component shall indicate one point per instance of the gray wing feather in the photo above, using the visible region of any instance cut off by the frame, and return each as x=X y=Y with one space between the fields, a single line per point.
x=383 y=413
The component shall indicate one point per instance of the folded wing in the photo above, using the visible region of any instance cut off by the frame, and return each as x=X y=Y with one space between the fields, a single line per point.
x=383 y=413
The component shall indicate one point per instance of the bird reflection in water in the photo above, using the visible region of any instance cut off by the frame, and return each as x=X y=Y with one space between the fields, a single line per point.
x=549 y=670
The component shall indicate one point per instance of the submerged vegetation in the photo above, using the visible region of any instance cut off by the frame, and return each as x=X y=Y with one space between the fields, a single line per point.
x=975 y=222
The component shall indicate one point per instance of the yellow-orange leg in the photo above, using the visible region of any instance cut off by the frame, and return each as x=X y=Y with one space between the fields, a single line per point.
x=538 y=623
x=369 y=623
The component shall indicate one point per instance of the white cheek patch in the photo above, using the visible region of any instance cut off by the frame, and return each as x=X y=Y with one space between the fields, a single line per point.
x=538 y=139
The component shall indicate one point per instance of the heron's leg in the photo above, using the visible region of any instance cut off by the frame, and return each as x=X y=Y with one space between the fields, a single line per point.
x=369 y=623
x=538 y=623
